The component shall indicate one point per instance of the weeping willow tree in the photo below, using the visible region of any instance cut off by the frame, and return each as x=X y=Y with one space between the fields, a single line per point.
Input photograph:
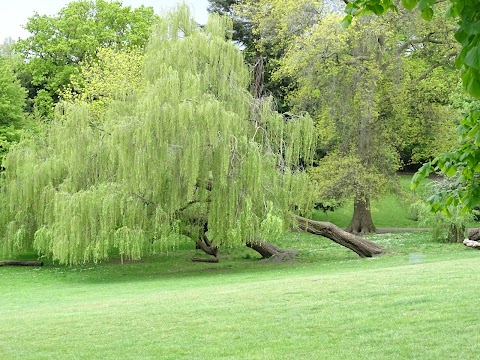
x=191 y=154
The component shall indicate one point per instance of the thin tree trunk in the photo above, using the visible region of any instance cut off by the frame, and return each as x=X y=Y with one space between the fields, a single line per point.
x=362 y=247
x=362 y=222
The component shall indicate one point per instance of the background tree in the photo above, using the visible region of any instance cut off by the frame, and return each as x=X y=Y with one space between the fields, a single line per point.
x=462 y=161
x=57 y=44
x=109 y=76
x=12 y=103
x=359 y=89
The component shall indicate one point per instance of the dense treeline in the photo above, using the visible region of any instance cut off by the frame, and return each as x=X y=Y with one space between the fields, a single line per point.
x=135 y=131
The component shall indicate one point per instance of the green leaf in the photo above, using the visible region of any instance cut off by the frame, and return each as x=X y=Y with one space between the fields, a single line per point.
x=451 y=171
x=379 y=9
x=425 y=4
x=409 y=4
x=451 y=12
x=473 y=87
x=473 y=57
x=347 y=20
x=461 y=35
x=427 y=14
x=472 y=28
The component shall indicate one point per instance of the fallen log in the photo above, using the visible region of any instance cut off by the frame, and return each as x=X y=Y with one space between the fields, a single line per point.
x=472 y=243
x=20 y=263
x=362 y=247
x=207 y=260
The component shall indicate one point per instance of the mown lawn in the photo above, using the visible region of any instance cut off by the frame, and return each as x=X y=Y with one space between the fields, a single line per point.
x=418 y=301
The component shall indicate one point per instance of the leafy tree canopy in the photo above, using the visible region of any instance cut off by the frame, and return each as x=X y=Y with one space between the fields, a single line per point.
x=464 y=161
x=58 y=43
x=12 y=103
x=109 y=75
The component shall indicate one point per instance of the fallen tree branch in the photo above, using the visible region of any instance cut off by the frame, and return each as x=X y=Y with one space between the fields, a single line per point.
x=207 y=260
x=20 y=263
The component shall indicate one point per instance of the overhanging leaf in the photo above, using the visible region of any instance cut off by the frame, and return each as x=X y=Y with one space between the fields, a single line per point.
x=472 y=58
x=409 y=4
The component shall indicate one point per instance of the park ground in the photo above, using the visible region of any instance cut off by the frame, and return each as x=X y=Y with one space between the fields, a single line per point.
x=416 y=301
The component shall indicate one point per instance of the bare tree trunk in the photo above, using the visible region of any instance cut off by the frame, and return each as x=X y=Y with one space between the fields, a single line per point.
x=474 y=234
x=362 y=222
x=362 y=247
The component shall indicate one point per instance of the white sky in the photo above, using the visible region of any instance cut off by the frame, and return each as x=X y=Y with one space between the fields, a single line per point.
x=15 y=13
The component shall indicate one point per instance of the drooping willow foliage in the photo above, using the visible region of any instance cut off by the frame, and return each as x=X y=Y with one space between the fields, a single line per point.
x=192 y=146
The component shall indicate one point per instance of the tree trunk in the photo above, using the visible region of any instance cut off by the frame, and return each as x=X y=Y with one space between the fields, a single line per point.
x=270 y=251
x=362 y=247
x=362 y=222
x=474 y=234
x=20 y=263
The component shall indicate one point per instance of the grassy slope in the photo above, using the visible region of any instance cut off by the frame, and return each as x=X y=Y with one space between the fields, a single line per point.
x=328 y=304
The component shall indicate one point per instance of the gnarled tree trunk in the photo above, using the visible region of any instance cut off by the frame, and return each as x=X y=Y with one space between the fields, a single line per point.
x=362 y=222
x=362 y=247
x=268 y=250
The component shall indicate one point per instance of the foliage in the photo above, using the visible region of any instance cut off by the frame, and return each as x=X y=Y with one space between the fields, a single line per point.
x=274 y=24
x=462 y=161
x=58 y=43
x=447 y=226
x=422 y=110
x=12 y=102
x=242 y=28
x=192 y=144
x=340 y=79
x=339 y=178
x=111 y=74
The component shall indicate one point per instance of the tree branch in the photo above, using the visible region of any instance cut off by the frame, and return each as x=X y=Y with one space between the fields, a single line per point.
x=447 y=57
x=425 y=39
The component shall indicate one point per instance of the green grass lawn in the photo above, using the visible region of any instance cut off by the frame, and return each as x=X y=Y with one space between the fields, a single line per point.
x=327 y=304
